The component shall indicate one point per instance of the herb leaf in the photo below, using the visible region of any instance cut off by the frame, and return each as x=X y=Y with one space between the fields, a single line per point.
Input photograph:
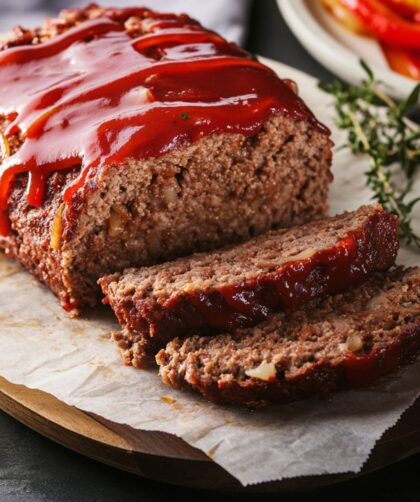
x=380 y=128
x=411 y=101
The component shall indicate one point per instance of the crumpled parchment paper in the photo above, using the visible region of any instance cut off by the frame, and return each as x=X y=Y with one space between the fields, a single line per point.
x=73 y=359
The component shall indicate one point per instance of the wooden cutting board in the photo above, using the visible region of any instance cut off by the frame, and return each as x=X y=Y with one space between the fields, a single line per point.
x=164 y=457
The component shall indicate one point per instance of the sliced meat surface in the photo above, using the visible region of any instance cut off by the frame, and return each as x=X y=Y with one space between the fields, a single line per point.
x=241 y=285
x=342 y=341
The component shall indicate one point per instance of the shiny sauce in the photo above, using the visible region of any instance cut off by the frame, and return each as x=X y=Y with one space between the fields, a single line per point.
x=327 y=271
x=97 y=94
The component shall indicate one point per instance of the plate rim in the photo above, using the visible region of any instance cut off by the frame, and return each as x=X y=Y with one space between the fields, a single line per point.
x=331 y=53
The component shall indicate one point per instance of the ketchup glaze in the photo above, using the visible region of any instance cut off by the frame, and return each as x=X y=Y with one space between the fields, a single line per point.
x=228 y=307
x=97 y=94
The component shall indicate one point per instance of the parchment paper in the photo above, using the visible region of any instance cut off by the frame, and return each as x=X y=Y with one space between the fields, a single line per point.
x=42 y=347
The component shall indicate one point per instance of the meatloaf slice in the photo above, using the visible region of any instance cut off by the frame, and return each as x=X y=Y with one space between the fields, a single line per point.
x=131 y=137
x=341 y=341
x=241 y=285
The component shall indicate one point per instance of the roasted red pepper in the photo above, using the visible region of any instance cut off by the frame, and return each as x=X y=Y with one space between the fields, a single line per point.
x=404 y=9
x=385 y=24
x=403 y=61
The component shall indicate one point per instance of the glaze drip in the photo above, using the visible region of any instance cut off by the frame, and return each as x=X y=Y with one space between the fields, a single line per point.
x=97 y=95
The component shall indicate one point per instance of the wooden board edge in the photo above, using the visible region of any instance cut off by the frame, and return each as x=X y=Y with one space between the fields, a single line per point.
x=117 y=445
x=52 y=409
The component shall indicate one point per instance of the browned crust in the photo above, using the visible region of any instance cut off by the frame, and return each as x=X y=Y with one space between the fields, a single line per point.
x=389 y=333
x=29 y=241
x=150 y=324
x=319 y=379
x=68 y=18
x=30 y=238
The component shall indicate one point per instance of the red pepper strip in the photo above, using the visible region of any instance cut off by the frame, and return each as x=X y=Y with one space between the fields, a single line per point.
x=402 y=8
x=404 y=61
x=387 y=26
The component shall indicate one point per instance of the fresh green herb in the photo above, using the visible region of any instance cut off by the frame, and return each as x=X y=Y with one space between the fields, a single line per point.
x=379 y=127
x=184 y=116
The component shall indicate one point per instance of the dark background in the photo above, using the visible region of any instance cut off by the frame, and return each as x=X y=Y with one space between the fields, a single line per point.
x=33 y=469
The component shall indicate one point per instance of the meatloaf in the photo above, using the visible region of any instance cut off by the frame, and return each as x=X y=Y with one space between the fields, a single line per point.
x=130 y=137
x=243 y=284
x=341 y=341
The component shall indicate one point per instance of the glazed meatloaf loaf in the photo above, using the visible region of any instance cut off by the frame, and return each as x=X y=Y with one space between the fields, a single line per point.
x=342 y=341
x=131 y=137
x=242 y=284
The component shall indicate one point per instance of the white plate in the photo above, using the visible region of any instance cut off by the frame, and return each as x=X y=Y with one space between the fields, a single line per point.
x=338 y=49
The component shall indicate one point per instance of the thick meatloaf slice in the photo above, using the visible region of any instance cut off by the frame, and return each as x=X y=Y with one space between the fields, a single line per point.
x=199 y=194
x=242 y=285
x=341 y=341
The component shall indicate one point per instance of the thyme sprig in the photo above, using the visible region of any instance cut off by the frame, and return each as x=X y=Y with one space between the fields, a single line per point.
x=379 y=127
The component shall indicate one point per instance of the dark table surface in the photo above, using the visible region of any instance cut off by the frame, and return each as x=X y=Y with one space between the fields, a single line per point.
x=34 y=469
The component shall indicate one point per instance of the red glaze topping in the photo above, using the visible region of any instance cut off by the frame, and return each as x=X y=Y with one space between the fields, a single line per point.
x=329 y=271
x=362 y=369
x=97 y=95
